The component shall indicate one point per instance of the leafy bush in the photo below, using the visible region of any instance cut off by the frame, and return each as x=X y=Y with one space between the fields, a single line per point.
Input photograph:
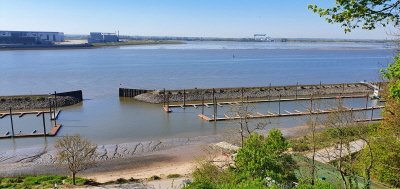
x=121 y=181
x=133 y=180
x=173 y=176
x=299 y=145
x=154 y=177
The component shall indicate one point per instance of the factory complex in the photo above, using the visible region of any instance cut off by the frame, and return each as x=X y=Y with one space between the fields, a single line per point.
x=49 y=38
x=30 y=37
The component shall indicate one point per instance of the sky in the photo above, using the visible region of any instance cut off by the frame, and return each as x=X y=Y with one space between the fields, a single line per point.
x=184 y=18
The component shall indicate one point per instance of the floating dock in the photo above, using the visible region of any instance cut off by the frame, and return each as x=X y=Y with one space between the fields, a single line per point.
x=273 y=115
x=53 y=132
x=258 y=101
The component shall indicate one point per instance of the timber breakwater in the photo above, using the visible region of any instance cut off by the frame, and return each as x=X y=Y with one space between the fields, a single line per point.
x=269 y=92
x=40 y=101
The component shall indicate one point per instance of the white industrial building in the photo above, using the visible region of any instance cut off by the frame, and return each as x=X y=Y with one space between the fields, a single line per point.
x=99 y=37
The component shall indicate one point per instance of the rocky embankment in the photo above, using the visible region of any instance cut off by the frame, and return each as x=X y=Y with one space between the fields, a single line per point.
x=25 y=103
x=284 y=91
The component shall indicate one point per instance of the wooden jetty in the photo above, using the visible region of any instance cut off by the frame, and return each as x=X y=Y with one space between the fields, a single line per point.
x=258 y=101
x=298 y=113
x=53 y=132
x=38 y=113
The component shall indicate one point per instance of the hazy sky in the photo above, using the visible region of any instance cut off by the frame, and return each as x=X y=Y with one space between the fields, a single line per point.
x=189 y=18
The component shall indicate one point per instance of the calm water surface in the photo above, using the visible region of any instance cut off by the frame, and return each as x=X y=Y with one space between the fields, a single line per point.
x=105 y=118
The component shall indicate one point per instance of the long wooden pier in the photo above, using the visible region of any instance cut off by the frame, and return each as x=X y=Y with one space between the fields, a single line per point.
x=287 y=113
x=53 y=132
x=255 y=101
x=38 y=113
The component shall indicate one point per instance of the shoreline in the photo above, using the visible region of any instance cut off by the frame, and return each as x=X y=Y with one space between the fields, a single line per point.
x=139 y=160
x=79 y=46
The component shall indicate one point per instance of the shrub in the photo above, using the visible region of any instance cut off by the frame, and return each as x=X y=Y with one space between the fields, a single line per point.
x=299 y=145
x=173 y=176
x=133 y=180
x=154 y=177
x=121 y=181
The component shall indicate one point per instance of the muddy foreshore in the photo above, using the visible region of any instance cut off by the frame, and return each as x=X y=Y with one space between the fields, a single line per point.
x=157 y=97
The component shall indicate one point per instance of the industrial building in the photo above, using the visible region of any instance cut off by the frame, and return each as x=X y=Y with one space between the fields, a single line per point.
x=99 y=37
x=30 y=37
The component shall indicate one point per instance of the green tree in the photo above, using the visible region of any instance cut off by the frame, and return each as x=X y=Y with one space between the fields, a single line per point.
x=75 y=153
x=263 y=158
x=367 y=13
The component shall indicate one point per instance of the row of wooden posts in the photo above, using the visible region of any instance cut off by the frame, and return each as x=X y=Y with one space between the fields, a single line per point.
x=214 y=103
x=166 y=99
x=52 y=106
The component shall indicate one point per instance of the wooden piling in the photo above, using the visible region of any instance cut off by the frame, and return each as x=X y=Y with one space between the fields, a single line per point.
x=44 y=126
x=12 y=124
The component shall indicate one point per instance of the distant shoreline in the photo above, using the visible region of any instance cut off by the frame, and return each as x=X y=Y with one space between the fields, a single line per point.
x=81 y=46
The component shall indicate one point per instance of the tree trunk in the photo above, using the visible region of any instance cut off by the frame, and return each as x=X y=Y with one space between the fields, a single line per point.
x=73 y=178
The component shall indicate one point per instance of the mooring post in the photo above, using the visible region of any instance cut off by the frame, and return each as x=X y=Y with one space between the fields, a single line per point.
x=164 y=98
x=351 y=113
x=311 y=104
x=366 y=101
x=269 y=92
x=372 y=113
x=242 y=94
x=55 y=101
x=54 y=111
x=55 y=118
x=50 y=107
x=44 y=125
x=12 y=124
x=213 y=91
x=342 y=89
x=297 y=83
x=184 y=100
x=215 y=109
x=167 y=100
x=202 y=105
x=279 y=106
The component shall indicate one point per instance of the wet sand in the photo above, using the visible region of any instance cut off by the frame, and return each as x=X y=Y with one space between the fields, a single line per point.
x=161 y=158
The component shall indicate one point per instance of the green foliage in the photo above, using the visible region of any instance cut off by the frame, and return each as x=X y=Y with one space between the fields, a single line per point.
x=264 y=157
x=207 y=172
x=79 y=181
x=367 y=13
x=133 y=180
x=154 y=177
x=42 y=181
x=173 y=176
x=299 y=145
x=392 y=73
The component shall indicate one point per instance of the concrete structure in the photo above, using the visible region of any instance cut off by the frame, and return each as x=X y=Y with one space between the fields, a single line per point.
x=98 y=37
x=30 y=37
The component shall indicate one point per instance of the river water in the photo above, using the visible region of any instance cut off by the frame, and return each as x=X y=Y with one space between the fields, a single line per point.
x=105 y=118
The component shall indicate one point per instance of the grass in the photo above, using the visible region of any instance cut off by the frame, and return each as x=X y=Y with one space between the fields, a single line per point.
x=41 y=181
